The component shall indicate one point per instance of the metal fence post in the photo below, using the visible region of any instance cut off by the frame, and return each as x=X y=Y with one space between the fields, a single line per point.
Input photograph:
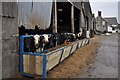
x=44 y=67
x=71 y=50
x=88 y=40
x=80 y=45
x=21 y=54
x=61 y=56
x=77 y=45
x=85 y=42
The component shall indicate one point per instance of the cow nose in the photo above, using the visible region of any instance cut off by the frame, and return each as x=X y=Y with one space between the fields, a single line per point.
x=46 y=41
x=36 y=44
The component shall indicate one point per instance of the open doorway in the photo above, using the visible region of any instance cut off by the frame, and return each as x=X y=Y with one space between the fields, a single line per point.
x=76 y=20
x=64 y=17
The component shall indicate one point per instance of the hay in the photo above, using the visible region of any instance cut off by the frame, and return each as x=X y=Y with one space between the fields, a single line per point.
x=74 y=65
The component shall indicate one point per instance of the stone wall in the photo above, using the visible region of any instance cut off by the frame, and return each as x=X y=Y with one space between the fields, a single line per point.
x=9 y=40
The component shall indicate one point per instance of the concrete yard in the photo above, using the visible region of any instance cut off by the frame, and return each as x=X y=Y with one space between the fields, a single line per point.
x=99 y=59
x=106 y=62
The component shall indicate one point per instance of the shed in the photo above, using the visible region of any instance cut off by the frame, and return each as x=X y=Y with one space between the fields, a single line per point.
x=111 y=20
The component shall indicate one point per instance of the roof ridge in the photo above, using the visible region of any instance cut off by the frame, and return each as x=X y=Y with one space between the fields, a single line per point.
x=109 y=17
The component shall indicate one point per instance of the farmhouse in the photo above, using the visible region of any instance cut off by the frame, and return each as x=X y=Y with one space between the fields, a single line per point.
x=112 y=24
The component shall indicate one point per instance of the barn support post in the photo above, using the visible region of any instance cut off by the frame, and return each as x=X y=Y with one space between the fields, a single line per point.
x=54 y=16
x=61 y=56
x=72 y=18
x=71 y=50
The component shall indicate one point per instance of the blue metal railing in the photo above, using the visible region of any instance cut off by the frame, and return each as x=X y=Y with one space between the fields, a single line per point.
x=30 y=53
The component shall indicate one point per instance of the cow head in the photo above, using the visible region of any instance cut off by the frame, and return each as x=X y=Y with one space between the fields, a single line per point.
x=45 y=38
x=36 y=40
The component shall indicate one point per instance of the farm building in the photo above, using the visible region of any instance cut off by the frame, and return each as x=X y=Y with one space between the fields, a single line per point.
x=112 y=24
x=33 y=17
x=92 y=32
x=104 y=25
x=76 y=17
x=101 y=24
x=88 y=18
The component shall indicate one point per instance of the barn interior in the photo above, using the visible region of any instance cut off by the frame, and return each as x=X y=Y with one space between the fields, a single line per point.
x=64 y=17
x=76 y=20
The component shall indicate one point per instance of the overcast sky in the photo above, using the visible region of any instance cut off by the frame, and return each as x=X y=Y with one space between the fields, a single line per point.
x=109 y=8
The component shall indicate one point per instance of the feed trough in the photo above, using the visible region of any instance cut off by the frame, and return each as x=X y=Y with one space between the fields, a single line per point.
x=40 y=63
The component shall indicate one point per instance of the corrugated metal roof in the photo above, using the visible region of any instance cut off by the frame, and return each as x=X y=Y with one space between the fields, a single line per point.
x=111 y=20
x=35 y=13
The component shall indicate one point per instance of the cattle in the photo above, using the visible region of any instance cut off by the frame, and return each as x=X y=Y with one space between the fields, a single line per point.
x=62 y=38
x=29 y=44
x=40 y=42
x=53 y=39
x=37 y=43
x=71 y=37
x=66 y=37
x=78 y=35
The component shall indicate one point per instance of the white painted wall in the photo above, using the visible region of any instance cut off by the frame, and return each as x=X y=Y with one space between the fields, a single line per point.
x=88 y=34
x=118 y=31
x=109 y=29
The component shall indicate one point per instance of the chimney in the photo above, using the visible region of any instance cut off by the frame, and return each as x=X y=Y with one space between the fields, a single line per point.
x=99 y=13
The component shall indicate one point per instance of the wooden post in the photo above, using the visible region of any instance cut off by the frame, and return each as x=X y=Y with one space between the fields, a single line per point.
x=54 y=16
x=72 y=18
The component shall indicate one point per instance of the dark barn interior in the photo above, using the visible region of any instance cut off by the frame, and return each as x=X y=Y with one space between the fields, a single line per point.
x=64 y=17
x=76 y=20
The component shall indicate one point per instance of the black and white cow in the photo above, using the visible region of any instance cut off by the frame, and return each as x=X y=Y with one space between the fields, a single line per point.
x=35 y=43
x=62 y=38
x=53 y=41
x=71 y=37
x=78 y=35
x=40 y=42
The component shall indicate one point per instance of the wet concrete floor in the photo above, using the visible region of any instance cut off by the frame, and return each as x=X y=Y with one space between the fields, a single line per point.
x=106 y=62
